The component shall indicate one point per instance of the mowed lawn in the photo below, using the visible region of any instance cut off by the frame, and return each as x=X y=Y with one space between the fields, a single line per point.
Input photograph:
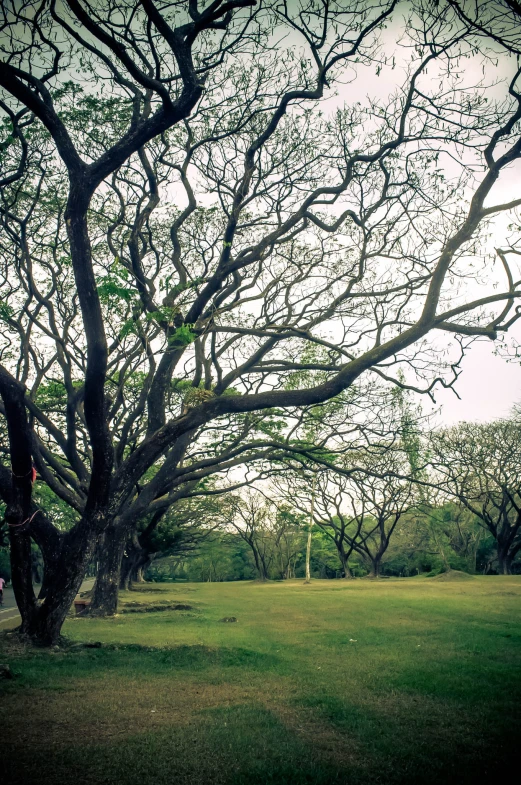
x=403 y=681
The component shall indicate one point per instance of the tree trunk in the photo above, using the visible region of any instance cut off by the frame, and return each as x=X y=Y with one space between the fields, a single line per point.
x=135 y=560
x=21 y=577
x=66 y=561
x=106 y=588
x=144 y=562
x=259 y=564
x=375 y=568
x=52 y=611
x=50 y=567
x=127 y=567
x=504 y=561
x=346 y=572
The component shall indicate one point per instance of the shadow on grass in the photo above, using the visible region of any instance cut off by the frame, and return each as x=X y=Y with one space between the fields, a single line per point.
x=411 y=739
x=237 y=745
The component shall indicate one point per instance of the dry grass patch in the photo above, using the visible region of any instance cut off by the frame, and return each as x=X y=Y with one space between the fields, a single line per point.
x=90 y=712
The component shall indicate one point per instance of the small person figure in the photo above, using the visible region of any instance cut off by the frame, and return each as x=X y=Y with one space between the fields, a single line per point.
x=2 y=584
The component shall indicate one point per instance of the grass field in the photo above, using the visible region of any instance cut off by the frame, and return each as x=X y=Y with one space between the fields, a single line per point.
x=406 y=681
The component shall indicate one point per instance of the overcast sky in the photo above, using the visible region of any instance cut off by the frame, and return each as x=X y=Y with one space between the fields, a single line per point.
x=488 y=387
x=489 y=384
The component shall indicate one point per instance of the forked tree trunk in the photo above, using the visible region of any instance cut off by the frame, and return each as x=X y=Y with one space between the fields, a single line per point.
x=51 y=613
x=261 y=570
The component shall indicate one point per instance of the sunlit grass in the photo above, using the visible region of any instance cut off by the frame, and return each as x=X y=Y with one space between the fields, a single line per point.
x=410 y=681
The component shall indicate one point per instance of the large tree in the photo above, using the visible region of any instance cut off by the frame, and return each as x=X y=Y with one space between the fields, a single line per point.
x=181 y=205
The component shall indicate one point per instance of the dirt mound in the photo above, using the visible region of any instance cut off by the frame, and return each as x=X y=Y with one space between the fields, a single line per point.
x=453 y=575
x=136 y=607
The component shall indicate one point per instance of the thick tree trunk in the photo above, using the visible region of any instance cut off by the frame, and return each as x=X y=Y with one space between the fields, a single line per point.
x=47 y=621
x=375 y=568
x=106 y=589
x=504 y=561
x=21 y=573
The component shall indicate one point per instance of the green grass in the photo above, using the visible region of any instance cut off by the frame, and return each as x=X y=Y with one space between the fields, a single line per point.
x=400 y=682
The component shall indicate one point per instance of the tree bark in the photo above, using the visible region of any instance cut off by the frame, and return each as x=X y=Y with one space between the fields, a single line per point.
x=134 y=563
x=106 y=589
x=375 y=568
x=46 y=623
x=504 y=561
x=346 y=572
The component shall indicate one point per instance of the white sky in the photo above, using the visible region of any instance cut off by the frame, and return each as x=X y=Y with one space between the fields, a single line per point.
x=489 y=384
x=488 y=387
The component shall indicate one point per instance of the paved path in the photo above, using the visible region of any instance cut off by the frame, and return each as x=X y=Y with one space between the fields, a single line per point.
x=9 y=616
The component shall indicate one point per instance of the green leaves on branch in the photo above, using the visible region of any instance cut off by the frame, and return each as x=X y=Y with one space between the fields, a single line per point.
x=114 y=285
x=6 y=312
x=183 y=336
x=111 y=288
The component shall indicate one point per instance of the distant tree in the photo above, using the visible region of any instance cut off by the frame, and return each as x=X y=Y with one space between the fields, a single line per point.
x=180 y=531
x=253 y=522
x=288 y=541
x=384 y=498
x=480 y=466
x=335 y=513
x=222 y=557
